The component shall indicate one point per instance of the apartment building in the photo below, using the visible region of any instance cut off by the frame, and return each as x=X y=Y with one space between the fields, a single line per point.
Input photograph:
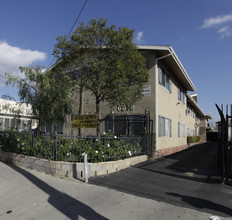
x=174 y=112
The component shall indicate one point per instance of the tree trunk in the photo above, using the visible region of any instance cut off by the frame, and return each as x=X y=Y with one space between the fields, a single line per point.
x=98 y=118
x=80 y=109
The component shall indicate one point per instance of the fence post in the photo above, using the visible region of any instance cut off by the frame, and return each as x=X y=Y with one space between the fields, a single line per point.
x=32 y=140
x=54 y=148
x=86 y=168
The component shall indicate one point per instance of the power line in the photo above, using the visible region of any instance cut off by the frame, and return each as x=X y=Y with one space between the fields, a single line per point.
x=77 y=18
x=72 y=27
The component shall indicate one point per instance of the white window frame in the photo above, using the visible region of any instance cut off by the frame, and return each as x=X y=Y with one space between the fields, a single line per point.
x=181 y=129
x=181 y=95
x=165 y=127
x=164 y=79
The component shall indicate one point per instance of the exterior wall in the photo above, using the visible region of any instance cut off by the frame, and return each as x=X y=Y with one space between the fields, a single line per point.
x=196 y=124
x=146 y=103
x=191 y=125
x=202 y=129
x=169 y=106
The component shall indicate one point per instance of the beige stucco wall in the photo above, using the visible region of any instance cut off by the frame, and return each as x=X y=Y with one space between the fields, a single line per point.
x=168 y=106
x=88 y=104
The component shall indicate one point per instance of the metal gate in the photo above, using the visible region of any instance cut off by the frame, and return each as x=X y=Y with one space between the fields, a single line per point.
x=138 y=126
x=224 y=144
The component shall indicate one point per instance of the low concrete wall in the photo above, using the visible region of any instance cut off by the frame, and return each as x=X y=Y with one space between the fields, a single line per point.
x=69 y=169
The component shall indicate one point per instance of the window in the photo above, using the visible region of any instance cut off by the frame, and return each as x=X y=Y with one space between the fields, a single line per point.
x=191 y=132
x=181 y=130
x=1 y=124
x=13 y=123
x=147 y=64
x=164 y=79
x=188 y=132
x=191 y=112
x=181 y=95
x=165 y=126
x=7 y=123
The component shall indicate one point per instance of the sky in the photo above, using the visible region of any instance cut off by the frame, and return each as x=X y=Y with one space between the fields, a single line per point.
x=200 y=32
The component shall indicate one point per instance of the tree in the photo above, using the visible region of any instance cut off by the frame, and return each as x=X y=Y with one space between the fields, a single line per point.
x=105 y=61
x=49 y=96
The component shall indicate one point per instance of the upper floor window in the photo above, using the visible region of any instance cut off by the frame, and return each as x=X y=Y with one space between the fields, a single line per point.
x=181 y=95
x=190 y=111
x=164 y=79
x=147 y=64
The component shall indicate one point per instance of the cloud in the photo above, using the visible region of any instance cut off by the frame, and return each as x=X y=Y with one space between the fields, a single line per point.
x=139 y=37
x=219 y=24
x=219 y=20
x=11 y=58
x=225 y=31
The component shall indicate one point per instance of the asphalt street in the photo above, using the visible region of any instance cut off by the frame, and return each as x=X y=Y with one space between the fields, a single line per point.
x=187 y=179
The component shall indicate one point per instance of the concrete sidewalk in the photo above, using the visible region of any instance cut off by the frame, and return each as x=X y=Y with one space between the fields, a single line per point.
x=28 y=194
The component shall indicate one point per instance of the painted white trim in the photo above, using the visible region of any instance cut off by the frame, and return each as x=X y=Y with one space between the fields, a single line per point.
x=175 y=58
x=153 y=47
x=183 y=71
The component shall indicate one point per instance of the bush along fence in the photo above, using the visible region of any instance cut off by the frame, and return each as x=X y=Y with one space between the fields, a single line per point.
x=193 y=139
x=71 y=148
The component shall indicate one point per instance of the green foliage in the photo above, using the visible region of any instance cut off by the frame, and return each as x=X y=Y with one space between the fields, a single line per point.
x=60 y=148
x=193 y=139
x=103 y=60
x=50 y=96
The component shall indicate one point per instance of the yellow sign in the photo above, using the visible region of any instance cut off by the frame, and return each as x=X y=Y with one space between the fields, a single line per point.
x=85 y=121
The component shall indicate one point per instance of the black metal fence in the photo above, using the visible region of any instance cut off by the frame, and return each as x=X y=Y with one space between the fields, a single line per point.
x=72 y=148
x=224 y=144
x=137 y=125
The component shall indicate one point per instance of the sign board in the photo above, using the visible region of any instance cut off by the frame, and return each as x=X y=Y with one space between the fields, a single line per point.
x=147 y=90
x=84 y=121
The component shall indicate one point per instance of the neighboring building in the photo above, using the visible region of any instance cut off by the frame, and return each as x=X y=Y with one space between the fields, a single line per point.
x=196 y=118
x=175 y=113
x=17 y=116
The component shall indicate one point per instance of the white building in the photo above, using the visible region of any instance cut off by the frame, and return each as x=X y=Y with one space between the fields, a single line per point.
x=16 y=115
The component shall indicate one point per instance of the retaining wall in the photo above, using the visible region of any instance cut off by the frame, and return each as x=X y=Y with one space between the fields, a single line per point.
x=69 y=169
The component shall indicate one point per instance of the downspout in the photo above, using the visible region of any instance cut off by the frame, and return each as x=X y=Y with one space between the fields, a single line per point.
x=156 y=94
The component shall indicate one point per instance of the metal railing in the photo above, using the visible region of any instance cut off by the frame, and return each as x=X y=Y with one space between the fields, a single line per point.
x=58 y=147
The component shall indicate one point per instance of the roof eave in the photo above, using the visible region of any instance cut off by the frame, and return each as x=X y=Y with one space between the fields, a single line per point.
x=189 y=84
x=196 y=106
x=191 y=88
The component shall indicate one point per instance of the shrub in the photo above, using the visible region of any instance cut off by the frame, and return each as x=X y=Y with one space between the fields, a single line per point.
x=60 y=148
x=193 y=139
